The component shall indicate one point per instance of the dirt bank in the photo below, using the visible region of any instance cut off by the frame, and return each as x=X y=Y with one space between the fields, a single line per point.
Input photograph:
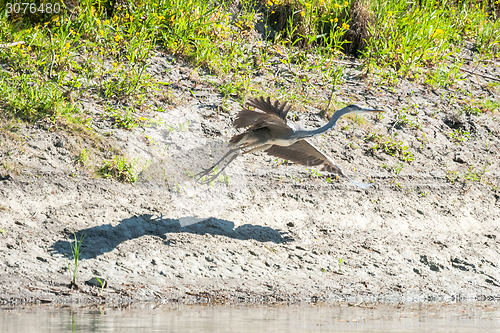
x=428 y=229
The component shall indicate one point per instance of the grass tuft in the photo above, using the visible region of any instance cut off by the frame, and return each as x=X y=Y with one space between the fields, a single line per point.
x=118 y=168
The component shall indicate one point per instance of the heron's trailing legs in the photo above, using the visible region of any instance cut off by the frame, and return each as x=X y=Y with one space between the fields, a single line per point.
x=242 y=148
x=206 y=172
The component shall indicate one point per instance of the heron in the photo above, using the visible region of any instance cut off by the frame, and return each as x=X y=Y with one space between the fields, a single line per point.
x=267 y=130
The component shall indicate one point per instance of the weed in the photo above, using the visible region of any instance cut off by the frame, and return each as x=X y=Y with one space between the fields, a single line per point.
x=445 y=76
x=340 y=262
x=495 y=86
x=272 y=249
x=82 y=158
x=329 y=180
x=451 y=176
x=483 y=105
x=180 y=127
x=101 y=282
x=230 y=88
x=75 y=251
x=425 y=33
x=225 y=179
x=390 y=146
x=406 y=120
x=352 y=145
x=31 y=98
x=118 y=168
x=314 y=173
x=459 y=135
x=3 y=231
x=397 y=168
x=125 y=120
x=473 y=175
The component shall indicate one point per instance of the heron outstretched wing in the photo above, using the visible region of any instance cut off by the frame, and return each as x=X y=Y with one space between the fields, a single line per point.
x=246 y=118
x=281 y=110
x=273 y=112
x=305 y=153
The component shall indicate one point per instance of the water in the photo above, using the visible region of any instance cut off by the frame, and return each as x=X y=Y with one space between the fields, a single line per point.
x=304 y=318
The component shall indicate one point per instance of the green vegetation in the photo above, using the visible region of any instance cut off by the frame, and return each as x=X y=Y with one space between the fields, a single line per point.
x=459 y=135
x=445 y=76
x=118 y=168
x=341 y=261
x=103 y=49
x=82 y=158
x=451 y=176
x=410 y=36
x=396 y=168
x=472 y=174
x=223 y=178
x=314 y=173
x=100 y=282
x=124 y=119
x=478 y=107
x=405 y=119
x=390 y=146
x=75 y=251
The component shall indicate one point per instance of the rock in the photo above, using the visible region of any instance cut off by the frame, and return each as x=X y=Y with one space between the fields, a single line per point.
x=462 y=157
x=59 y=143
x=97 y=282
x=6 y=177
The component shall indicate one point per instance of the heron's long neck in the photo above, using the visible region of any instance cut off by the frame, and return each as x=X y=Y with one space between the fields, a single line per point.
x=331 y=124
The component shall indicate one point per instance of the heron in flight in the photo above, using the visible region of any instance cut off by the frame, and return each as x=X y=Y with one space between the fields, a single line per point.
x=267 y=130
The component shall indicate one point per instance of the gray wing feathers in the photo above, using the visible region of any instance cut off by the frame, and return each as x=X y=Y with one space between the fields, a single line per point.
x=247 y=118
x=303 y=152
x=281 y=110
x=273 y=114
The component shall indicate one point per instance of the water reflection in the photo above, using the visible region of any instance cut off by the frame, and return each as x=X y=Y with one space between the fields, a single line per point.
x=168 y=318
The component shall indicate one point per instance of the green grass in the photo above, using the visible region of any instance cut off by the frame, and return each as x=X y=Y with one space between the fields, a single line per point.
x=82 y=158
x=75 y=251
x=118 y=168
x=405 y=118
x=480 y=106
x=390 y=146
x=94 y=52
x=396 y=168
x=452 y=176
x=408 y=36
x=91 y=51
x=472 y=174
x=340 y=261
x=459 y=135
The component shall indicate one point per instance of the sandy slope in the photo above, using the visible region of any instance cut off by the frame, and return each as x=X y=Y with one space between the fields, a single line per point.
x=271 y=232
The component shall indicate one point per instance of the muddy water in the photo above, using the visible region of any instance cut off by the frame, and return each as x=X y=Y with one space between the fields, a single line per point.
x=306 y=318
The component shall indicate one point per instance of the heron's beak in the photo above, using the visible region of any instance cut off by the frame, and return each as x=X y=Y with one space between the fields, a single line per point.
x=373 y=110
